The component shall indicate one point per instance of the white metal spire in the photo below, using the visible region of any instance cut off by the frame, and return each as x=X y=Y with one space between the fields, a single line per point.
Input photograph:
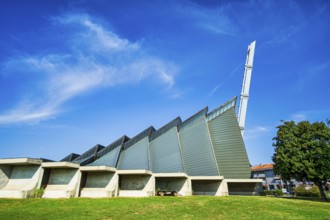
x=246 y=86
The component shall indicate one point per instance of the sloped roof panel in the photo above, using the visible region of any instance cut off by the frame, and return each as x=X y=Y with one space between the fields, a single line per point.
x=89 y=155
x=174 y=123
x=221 y=109
x=165 y=154
x=197 y=152
x=228 y=146
x=146 y=133
x=70 y=157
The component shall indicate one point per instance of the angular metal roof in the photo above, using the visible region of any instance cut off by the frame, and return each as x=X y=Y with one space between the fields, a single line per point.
x=89 y=155
x=70 y=157
x=221 y=109
x=112 y=146
x=175 y=122
x=194 y=117
x=147 y=132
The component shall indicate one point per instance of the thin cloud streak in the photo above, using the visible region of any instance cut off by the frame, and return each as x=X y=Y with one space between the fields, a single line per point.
x=232 y=73
x=299 y=117
x=308 y=74
x=212 y=20
x=97 y=58
x=256 y=132
x=214 y=90
x=309 y=115
x=299 y=23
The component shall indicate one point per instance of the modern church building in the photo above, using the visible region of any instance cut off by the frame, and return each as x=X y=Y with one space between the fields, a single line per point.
x=203 y=155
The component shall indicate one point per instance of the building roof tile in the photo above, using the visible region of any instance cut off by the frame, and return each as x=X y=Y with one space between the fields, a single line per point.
x=268 y=166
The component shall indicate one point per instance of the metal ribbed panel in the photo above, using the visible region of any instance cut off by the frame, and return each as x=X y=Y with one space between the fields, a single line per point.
x=146 y=133
x=112 y=146
x=196 y=148
x=216 y=112
x=228 y=145
x=70 y=157
x=165 y=128
x=90 y=153
x=165 y=155
x=108 y=159
x=135 y=157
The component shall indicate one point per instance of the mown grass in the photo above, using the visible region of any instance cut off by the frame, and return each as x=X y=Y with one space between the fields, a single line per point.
x=197 y=207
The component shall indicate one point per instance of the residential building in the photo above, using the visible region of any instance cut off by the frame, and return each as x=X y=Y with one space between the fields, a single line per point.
x=270 y=181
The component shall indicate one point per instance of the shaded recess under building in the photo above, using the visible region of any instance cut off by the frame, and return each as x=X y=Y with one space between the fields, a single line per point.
x=19 y=177
x=61 y=179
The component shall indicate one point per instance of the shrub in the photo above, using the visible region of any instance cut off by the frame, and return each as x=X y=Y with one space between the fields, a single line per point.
x=276 y=192
x=267 y=192
x=307 y=191
x=37 y=193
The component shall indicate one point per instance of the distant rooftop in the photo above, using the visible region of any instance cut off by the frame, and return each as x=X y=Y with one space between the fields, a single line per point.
x=260 y=167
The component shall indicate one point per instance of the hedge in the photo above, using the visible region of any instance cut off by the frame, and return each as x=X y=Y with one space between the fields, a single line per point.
x=307 y=191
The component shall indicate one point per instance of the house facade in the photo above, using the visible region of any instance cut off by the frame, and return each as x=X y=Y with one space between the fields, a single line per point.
x=270 y=181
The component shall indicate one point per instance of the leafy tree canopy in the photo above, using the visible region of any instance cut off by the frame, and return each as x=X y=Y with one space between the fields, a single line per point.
x=302 y=152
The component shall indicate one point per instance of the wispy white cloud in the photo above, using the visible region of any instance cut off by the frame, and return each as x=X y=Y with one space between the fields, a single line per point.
x=308 y=74
x=214 y=90
x=232 y=73
x=99 y=37
x=299 y=117
x=310 y=115
x=96 y=57
x=256 y=132
x=298 y=22
x=27 y=114
x=247 y=18
x=214 y=20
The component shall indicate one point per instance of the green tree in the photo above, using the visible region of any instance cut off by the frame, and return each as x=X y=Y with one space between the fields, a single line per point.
x=302 y=152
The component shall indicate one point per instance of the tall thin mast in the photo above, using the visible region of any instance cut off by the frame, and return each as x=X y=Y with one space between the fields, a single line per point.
x=246 y=86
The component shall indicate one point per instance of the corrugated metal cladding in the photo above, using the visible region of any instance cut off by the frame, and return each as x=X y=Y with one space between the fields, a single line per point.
x=197 y=152
x=109 y=159
x=70 y=157
x=90 y=153
x=228 y=145
x=135 y=157
x=165 y=153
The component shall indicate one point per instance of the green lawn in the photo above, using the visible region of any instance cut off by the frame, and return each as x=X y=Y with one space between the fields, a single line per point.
x=196 y=207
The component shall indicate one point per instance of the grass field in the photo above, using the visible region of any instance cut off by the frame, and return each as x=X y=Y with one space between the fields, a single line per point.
x=197 y=207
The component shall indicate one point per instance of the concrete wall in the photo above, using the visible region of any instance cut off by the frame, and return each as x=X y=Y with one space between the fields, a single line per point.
x=133 y=182
x=223 y=189
x=136 y=185
x=61 y=176
x=206 y=187
x=99 y=184
x=5 y=171
x=19 y=181
x=62 y=183
x=98 y=179
x=170 y=184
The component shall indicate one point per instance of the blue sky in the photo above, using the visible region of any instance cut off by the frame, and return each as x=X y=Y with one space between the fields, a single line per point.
x=77 y=73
